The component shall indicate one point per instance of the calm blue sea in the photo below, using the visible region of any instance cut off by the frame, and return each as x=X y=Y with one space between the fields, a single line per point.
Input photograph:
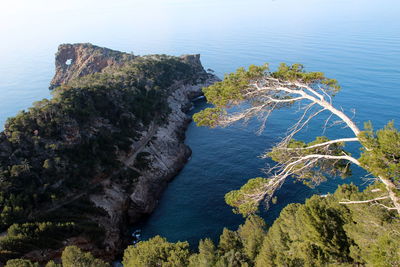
x=354 y=41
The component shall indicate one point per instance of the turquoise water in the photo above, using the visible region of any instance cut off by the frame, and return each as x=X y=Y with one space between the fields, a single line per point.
x=356 y=42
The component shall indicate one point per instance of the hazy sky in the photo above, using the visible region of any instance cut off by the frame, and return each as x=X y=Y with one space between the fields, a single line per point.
x=29 y=12
x=26 y=16
x=41 y=22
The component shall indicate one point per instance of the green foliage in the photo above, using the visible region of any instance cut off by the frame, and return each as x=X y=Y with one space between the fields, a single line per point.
x=296 y=72
x=381 y=153
x=157 y=252
x=22 y=238
x=322 y=168
x=207 y=255
x=252 y=234
x=246 y=200
x=53 y=264
x=208 y=117
x=73 y=256
x=373 y=228
x=232 y=259
x=21 y=263
x=228 y=92
x=308 y=235
x=323 y=232
x=233 y=89
x=385 y=252
x=235 y=248
x=229 y=241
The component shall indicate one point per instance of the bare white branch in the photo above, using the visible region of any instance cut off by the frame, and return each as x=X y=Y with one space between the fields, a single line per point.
x=352 y=139
x=363 y=201
x=267 y=94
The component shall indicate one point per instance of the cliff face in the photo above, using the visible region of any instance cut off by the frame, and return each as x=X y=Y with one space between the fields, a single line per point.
x=77 y=60
x=165 y=152
x=127 y=188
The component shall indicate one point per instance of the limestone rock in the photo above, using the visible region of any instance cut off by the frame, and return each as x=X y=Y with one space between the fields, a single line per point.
x=76 y=60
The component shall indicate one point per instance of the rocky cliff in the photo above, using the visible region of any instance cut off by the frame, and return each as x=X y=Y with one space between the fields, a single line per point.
x=101 y=152
x=166 y=153
x=77 y=60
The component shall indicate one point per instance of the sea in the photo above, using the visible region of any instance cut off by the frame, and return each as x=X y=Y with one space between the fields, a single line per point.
x=356 y=42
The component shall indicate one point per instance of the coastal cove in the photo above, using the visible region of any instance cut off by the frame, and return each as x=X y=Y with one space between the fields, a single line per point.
x=363 y=54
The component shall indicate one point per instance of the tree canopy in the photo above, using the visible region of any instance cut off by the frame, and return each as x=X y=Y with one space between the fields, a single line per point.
x=257 y=92
x=320 y=232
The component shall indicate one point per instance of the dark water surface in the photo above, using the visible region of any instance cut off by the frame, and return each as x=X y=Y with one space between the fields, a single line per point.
x=356 y=42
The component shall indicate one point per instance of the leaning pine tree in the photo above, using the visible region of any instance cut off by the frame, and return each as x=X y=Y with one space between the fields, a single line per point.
x=258 y=92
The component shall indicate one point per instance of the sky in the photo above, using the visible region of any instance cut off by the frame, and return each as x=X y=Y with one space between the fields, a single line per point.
x=31 y=13
x=28 y=23
x=22 y=20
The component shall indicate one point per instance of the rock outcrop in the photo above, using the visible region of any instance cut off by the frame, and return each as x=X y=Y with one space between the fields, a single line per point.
x=77 y=60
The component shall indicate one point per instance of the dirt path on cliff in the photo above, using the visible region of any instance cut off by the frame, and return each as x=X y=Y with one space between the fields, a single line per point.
x=128 y=162
x=140 y=145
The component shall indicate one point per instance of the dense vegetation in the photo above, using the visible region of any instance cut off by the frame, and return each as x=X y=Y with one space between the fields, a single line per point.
x=348 y=228
x=72 y=256
x=320 y=232
x=61 y=149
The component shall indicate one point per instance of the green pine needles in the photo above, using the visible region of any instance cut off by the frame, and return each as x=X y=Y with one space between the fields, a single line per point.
x=257 y=92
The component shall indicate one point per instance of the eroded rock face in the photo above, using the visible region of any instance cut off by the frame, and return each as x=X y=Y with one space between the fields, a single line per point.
x=164 y=144
x=167 y=154
x=76 y=60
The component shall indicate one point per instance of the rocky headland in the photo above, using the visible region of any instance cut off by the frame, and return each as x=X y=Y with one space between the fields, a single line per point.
x=77 y=60
x=122 y=152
